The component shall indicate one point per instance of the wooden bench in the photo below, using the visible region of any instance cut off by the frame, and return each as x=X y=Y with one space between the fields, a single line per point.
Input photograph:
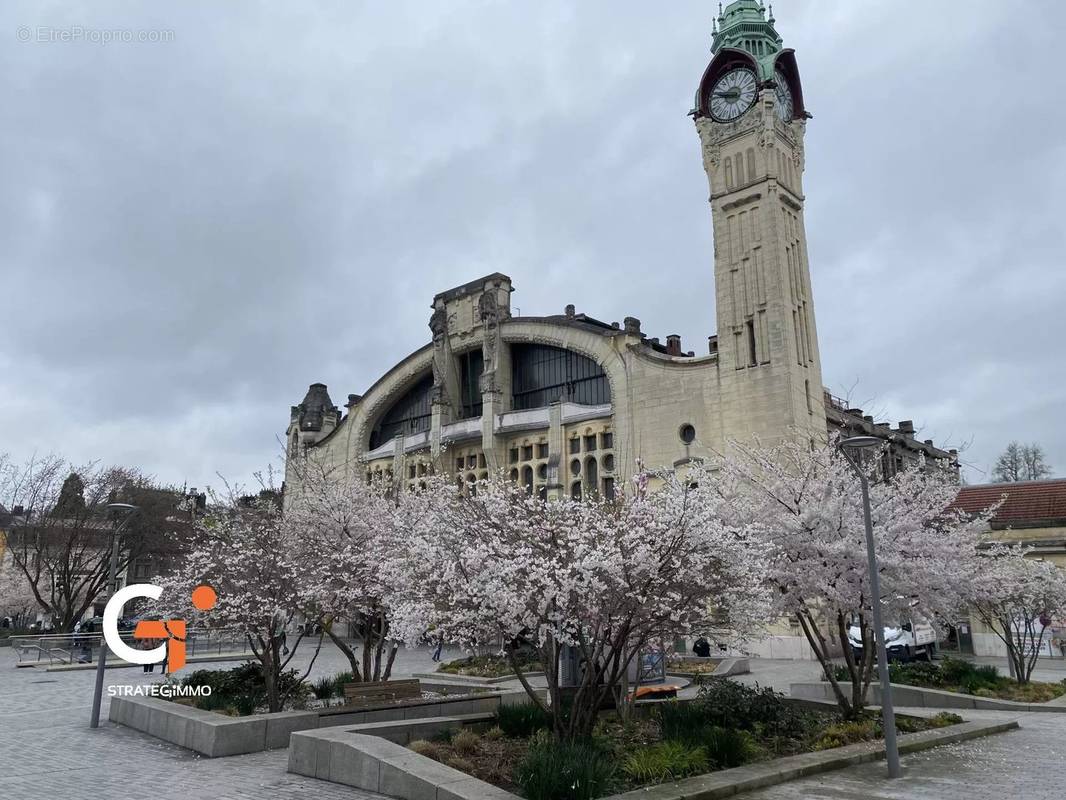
x=365 y=694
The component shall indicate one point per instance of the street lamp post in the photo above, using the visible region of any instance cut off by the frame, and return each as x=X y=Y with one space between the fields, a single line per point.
x=849 y=447
x=112 y=580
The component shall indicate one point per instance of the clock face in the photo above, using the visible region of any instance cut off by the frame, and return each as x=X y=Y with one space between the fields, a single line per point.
x=733 y=94
x=785 y=109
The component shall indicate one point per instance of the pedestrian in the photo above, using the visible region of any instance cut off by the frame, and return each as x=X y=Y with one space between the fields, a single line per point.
x=148 y=644
x=436 y=653
x=702 y=648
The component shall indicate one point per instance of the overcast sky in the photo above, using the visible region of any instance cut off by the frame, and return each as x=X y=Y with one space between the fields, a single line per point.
x=193 y=230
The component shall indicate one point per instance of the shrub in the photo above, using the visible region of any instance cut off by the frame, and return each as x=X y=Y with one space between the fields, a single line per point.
x=919 y=673
x=427 y=749
x=339 y=680
x=565 y=771
x=682 y=722
x=945 y=718
x=443 y=736
x=522 y=720
x=665 y=761
x=492 y=666
x=459 y=763
x=845 y=733
x=243 y=687
x=728 y=748
x=841 y=673
x=981 y=678
x=954 y=670
x=324 y=688
x=727 y=704
x=465 y=742
x=494 y=733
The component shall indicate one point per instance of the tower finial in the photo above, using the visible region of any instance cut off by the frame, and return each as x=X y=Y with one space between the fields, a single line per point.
x=771 y=20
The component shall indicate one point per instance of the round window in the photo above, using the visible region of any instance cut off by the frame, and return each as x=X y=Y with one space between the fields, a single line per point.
x=687 y=433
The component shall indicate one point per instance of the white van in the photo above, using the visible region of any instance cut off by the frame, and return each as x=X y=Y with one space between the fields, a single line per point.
x=908 y=642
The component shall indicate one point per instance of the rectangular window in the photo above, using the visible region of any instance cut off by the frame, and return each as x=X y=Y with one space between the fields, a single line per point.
x=460 y=463
x=481 y=460
x=542 y=450
x=471 y=462
x=590 y=443
x=607 y=439
x=608 y=488
x=750 y=324
x=471 y=365
x=575 y=446
x=527 y=452
x=514 y=455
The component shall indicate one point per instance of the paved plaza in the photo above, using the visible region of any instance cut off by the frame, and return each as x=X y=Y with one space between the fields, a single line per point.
x=48 y=751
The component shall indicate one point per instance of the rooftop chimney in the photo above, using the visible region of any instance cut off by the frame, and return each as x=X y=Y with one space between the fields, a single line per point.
x=570 y=311
x=906 y=426
x=673 y=344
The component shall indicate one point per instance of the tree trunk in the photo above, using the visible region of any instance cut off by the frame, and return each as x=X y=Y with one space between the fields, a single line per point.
x=270 y=675
x=818 y=644
x=349 y=653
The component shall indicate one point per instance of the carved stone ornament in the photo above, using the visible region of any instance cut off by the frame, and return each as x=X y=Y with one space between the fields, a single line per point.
x=438 y=323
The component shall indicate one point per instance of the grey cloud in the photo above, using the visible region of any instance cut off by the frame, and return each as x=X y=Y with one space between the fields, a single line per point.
x=196 y=230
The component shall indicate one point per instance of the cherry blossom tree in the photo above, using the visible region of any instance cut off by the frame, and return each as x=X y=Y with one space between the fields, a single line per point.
x=806 y=506
x=243 y=549
x=496 y=564
x=17 y=600
x=343 y=525
x=1015 y=596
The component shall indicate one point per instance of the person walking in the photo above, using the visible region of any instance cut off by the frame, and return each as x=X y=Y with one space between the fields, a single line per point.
x=148 y=644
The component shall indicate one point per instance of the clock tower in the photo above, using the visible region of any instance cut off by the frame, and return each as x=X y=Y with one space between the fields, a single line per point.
x=751 y=120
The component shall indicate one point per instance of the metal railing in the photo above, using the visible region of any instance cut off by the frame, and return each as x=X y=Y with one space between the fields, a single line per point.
x=84 y=648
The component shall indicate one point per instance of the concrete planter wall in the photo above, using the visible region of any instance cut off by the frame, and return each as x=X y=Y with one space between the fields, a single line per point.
x=373 y=758
x=215 y=735
x=918 y=697
x=449 y=677
x=725 y=667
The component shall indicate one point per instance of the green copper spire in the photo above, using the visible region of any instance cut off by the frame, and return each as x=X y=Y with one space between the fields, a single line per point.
x=743 y=25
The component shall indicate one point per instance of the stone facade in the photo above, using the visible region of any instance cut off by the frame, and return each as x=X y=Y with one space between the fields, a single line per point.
x=454 y=404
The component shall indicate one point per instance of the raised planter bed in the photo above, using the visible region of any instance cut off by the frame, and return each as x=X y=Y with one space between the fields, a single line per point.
x=723 y=667
x=359 y=757
x=474 y=680
x=215 y=735
x=919 y=697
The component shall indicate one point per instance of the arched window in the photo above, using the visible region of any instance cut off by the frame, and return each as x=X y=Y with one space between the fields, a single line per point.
x=410 y=414
x=541 y=374
x=527 y=479
x=592 y=482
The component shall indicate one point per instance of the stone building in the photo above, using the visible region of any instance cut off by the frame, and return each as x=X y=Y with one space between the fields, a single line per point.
x=1032 y=515
x=567 y=403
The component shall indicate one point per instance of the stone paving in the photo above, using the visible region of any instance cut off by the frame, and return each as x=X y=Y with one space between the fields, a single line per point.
x=48 y=751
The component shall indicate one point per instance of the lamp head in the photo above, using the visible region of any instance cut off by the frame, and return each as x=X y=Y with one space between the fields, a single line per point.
x=854 y=444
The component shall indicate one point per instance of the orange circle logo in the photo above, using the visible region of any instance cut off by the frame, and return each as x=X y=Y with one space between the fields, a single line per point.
x=204 y=597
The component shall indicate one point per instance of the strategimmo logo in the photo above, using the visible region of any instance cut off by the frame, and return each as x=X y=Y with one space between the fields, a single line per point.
x=172 y=631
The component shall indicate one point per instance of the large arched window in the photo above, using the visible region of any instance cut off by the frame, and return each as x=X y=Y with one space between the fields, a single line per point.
x=540 y=375
x=410 y=414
